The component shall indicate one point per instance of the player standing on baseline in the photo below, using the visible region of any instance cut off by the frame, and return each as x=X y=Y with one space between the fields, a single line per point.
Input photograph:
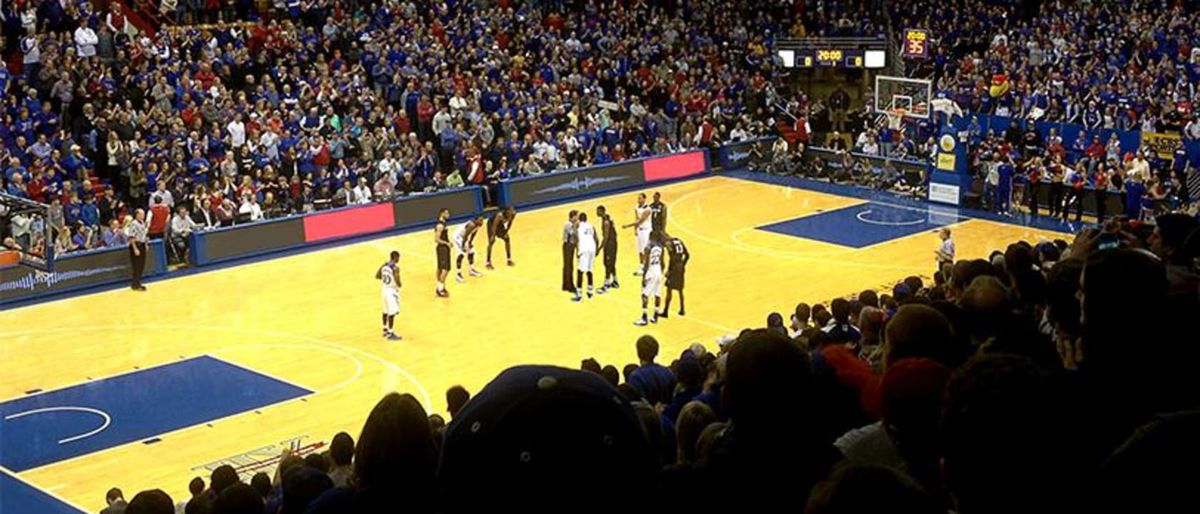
x=675 y=270
x=441 y=237
x=389 y=276
x=608 y=229
x=498 y=226
x=464 y=241
x=652 y=280
x=641 y=224
x=589 y=241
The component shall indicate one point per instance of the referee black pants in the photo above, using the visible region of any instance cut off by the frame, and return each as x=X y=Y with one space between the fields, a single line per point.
x=568 y=278
x=137 y=263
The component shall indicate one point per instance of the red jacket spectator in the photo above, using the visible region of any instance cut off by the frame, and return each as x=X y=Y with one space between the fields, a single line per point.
x=36 y=188
x=321 y=156
x=160 y=214
x=475 y=170
x=425 y=111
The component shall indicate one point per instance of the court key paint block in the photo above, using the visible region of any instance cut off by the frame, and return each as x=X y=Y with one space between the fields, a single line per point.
x=60 y=424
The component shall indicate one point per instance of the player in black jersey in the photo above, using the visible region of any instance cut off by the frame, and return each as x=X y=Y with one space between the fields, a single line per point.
x=441 y=238
x=497 y=228
x=679 y=255
x=658 y=214
x=608 y=246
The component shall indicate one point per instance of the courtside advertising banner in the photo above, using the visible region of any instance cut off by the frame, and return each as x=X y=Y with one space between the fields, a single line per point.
x=76 y=271
x=246 y=240
x=737 y=156
x=571 y=184
x=423 y=208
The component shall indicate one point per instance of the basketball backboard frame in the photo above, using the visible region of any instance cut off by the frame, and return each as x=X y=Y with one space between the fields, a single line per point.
x=39 y=226
x=913 y=96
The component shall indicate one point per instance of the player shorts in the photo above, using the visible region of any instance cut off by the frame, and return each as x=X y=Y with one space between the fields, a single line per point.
x=675 y=278
x=610 y=257
x=391 y=302
x=443 y=256
x=587 y=259
x=652 y=285
x=643 y=239
x=464 y=247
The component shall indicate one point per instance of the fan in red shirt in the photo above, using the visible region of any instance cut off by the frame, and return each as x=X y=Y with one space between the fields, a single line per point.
x=475 y=169
x=159 y=215
x=205 y=76
x=36 y=188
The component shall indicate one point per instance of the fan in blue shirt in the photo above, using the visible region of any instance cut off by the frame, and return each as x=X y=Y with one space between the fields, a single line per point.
x=654 y=381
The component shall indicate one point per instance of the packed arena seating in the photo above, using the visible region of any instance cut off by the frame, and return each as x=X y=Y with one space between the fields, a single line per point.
x=1049 y=378
x=1125 y=64
x=340 y=103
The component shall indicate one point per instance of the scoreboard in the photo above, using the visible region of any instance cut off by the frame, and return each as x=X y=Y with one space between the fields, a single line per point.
x=833 y=58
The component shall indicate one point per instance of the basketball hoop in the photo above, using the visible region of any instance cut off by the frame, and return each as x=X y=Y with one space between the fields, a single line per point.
x=895 y=117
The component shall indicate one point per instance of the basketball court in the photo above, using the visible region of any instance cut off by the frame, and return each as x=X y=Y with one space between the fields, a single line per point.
x=235 y=364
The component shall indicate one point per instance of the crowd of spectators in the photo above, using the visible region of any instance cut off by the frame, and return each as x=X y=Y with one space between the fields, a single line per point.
x=1014 y=167
x=1050 y=377
x=1126 y=64
x=324 y=104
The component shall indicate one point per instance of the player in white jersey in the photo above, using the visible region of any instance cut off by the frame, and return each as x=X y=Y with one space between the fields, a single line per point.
x=464 y=242
x=389 y=276
x=589 y=242
x=652 y=279
x=641 y=224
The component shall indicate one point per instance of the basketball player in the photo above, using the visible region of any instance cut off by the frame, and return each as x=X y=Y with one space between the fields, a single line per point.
x=498 y=226
x=658 y=214
x=675 y=270
x=441 y=238
x=464 y=241
x=389 y=276
x=641 y=224
x=652 y=279
x=608 y=230
x=589 y=241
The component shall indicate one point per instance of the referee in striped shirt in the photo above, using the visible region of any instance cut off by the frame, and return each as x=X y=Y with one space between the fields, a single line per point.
x=570 y=242
x=135 y=232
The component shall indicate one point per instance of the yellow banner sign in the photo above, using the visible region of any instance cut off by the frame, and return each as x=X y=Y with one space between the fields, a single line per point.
x=1164 y=145
x=946 y=161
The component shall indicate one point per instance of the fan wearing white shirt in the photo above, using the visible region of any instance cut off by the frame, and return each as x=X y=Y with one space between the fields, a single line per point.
x=269 y=141
x=388 y=166
x=237 y=131
x=250 y=206
x=362 y=192
x=85 y=41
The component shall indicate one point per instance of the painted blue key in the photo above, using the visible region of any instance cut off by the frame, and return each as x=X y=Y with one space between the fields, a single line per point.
x=863 y=225
x=60 y=424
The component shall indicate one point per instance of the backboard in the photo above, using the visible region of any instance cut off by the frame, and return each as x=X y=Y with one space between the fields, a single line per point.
x=912 y=96
x=26 y=229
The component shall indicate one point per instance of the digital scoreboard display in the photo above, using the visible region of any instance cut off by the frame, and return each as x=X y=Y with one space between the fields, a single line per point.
x=834 y=58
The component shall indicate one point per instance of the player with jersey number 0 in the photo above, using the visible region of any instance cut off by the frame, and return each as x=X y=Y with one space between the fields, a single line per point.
x=389 y=276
